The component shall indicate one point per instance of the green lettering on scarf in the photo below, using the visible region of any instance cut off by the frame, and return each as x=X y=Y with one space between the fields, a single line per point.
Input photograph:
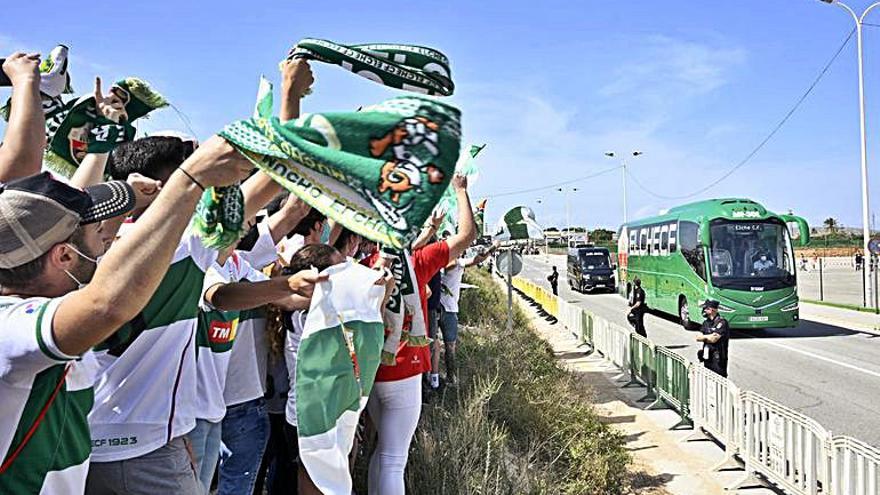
x=409 y=67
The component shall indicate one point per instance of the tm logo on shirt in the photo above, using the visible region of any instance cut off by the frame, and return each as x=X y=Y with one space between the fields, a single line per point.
x=222 y=332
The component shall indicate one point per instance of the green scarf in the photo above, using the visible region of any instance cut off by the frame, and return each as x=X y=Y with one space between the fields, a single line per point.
x=219 y=216
x=413 y=68
x=379 y=171
x=74 y=128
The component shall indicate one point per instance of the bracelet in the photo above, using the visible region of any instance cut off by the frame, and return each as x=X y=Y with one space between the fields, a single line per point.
x=192 y=178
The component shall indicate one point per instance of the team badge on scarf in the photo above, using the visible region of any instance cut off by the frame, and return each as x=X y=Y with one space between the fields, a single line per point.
x=379 y=171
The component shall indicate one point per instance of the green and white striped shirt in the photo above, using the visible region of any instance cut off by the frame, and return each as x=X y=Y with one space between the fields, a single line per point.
x=55 y=458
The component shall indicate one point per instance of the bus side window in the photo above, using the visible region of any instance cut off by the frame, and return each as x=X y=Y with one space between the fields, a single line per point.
x=634 y=242
x=691 y=249
x=673 y=243
x=643 y=242
x=664 y=240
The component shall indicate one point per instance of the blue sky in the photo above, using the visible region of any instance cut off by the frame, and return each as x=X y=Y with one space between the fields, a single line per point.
x=549 y=86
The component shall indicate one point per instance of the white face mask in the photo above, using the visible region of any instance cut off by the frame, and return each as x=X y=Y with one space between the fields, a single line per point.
x=80 y=285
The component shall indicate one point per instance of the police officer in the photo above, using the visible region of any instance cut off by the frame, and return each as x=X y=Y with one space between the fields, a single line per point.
x=553 y=278
x=637 y=307
x=715 y=338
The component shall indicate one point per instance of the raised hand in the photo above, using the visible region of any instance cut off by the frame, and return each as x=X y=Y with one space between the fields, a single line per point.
x=216 y=163
x=145 y=189
x=23 y=68
x=303 y=283
x=297 y=76
x=110 y=106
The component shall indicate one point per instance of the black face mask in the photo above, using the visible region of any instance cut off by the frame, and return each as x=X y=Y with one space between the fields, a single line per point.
x=705 y=314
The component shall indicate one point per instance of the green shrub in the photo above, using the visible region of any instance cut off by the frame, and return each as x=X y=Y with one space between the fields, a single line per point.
x=518 y=422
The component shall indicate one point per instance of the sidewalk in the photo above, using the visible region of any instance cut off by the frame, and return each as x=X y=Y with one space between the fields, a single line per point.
x=845 y=318
x=664 y=462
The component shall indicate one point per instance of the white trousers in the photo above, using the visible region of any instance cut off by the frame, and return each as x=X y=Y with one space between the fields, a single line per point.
x=394 y=408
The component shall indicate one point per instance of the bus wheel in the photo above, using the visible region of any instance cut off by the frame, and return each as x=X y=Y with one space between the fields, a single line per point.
x=684 y=314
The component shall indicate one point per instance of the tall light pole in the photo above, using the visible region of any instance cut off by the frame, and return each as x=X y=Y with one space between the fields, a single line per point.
x=611 y=154
x=866 y=229
x=565 y=192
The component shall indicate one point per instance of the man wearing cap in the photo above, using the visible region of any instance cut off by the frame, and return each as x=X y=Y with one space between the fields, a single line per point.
x=715 y=338
x=50 y=239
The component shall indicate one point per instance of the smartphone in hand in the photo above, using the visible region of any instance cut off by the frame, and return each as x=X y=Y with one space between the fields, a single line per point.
x=4 y=79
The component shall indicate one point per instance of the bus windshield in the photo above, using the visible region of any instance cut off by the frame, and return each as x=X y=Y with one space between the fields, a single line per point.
x=594 y=259
x=751 y=255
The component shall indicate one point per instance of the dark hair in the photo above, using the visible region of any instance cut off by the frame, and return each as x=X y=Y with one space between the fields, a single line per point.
x=319 y=256
x=306 y=224
x=25 y=275
x=344 y=237
x=155 y=157
x=637 y=281
x=249 y=240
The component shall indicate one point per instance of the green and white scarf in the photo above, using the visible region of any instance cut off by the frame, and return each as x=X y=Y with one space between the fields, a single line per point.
x=74 y=128
x=378 y=172
x=518 y=224
x=336 y=366
x=409 y=67
x=404 y=319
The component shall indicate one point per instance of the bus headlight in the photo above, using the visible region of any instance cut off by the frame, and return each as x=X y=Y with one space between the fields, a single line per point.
x=790 y=307
x=725 y=309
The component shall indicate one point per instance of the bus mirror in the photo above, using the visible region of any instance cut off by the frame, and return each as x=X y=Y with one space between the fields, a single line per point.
x=802 y=233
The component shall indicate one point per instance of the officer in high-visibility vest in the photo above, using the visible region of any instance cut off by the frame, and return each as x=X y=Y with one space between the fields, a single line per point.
x=715 y=338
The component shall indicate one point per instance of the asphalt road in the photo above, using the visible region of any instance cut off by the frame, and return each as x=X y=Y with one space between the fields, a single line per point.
x=829 y=373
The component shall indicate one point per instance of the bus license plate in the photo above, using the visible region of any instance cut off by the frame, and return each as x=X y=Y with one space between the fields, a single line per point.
x=759 y=318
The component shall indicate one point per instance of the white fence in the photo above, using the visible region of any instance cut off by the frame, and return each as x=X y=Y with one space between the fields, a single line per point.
x=782 y=446
x=855 y=467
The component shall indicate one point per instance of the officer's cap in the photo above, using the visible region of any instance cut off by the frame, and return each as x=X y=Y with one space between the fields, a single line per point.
x=710 y=303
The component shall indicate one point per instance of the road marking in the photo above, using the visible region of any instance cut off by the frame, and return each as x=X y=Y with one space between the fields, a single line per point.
x=819 y=357
x=823 y=358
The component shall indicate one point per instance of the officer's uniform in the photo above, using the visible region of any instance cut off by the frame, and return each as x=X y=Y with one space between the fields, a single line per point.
x=715 y=355
x=554 y=282
x=638 y=296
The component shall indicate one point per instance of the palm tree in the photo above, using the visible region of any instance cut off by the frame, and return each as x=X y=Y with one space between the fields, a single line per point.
x=831 y=225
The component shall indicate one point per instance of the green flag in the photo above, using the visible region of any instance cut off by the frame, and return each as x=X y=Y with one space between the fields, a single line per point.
x=265 y=102
x=335 y=369
x=518 y=224
x=448 y=203
x=379 y=171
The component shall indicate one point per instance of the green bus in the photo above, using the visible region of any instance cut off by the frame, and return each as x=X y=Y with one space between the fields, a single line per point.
x=732 y=250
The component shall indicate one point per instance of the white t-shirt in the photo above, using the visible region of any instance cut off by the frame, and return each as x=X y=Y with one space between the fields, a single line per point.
x=56 y=458
x=450 y=286
x=217 y=333
x=246 y=376
x=145 y=393
x=291 y=347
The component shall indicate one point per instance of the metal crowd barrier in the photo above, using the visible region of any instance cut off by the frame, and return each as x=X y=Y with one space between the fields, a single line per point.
x=673 y=383
x=716 y=409
x=855 y=467
x=784 y=447
x=641 y=364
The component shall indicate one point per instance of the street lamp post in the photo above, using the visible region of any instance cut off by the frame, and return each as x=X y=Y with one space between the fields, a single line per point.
x=565 y=192
x=866 y=229
x=611 y=154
